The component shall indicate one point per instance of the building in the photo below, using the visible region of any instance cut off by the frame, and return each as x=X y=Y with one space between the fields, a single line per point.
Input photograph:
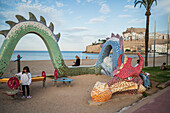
x=134 y=33
x=159 y=48
x=139 y=33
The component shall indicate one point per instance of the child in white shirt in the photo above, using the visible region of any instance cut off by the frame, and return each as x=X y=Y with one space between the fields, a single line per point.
x=25 y=81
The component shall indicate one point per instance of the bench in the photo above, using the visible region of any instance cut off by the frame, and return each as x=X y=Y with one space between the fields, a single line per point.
x=63 y=79
x=34 y=79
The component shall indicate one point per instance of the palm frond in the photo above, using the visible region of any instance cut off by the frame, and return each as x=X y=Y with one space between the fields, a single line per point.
x=137 y=2
x=151 y=3
x=141 y=5
x=144 y=3
x=154 y=1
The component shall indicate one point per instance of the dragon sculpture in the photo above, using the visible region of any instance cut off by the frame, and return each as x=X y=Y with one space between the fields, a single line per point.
x=32 y=25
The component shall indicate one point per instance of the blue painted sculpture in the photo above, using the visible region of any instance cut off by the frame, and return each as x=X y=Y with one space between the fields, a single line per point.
x=115 y=43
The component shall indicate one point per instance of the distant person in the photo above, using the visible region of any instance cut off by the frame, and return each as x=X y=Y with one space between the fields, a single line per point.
x=86 y=57
x=77 y=63
x=25 y=81
x=145 y=77
x=137 y=62
x=163 y=67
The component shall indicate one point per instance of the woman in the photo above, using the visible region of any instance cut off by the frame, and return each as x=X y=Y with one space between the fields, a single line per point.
x=77 y=63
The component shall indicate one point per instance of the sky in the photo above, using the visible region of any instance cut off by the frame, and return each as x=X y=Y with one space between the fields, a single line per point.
x=81 y=22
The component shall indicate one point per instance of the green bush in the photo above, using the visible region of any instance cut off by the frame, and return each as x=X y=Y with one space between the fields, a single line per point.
x=145 y=94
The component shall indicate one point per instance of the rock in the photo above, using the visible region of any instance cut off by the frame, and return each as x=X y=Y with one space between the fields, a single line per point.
x=101 y=92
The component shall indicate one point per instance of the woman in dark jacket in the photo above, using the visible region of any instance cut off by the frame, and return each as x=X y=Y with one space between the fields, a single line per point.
x=77 y=63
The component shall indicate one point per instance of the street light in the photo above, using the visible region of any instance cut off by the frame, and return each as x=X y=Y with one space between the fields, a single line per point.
x=167 y=42
x=154 y=42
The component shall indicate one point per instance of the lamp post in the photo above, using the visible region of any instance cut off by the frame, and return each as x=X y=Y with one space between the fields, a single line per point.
x=167 y=41
x=18 y=62
x=154 y=42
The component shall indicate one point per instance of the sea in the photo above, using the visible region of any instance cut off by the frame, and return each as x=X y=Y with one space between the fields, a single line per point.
x=44 y=55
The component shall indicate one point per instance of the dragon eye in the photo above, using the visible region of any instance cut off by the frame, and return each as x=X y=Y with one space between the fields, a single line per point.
x=128 y=78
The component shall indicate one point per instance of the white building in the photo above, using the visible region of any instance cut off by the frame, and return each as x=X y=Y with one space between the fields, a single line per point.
x=159 y=48
x=139 y=33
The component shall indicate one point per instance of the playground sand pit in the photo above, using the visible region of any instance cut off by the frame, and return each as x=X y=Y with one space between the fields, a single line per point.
x=62 y=99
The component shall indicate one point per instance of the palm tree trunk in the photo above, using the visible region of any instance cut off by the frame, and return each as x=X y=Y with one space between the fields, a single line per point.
x=147 y=37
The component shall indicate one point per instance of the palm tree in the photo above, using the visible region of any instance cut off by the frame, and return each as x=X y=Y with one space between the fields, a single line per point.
x=147 y=4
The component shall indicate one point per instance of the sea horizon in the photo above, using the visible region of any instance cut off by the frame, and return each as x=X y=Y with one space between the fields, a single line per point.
x=28 y=55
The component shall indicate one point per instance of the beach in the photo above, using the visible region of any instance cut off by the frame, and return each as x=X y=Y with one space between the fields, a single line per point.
x=37 y=66
x=62 y=99
x=65 y=99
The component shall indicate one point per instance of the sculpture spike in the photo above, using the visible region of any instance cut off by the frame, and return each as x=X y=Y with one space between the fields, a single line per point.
x=57 y=36
x=11 y=23
x=4 y=32
x=112 y=35
x=32 y=17
x=51 y=26
x=20 y=18
x=42 y=20
x=117 y=36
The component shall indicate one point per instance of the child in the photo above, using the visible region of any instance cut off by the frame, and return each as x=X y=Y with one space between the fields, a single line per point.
x=25 y=81
x=163 y=67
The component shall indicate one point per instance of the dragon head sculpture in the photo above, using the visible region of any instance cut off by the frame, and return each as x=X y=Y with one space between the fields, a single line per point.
x=125 y=79
x=126 y=70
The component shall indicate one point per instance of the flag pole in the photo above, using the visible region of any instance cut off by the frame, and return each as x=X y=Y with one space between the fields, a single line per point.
x=154 y=41
x=167 y=41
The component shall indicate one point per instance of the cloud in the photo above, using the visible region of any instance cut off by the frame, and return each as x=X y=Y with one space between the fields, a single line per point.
x=128 y=0
x=48 y=12
x=72 y=39
x=59 y=4
x=24 y=1
x=136 y=21
x=129 y=6
x=31 y=42
x=78 y=1
x=89 y=0
x=1 y=40
x=76 y=29
x=104 y=9
x=123 y=16
x=163 y=7
x=95 y=20
x=78 y=17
